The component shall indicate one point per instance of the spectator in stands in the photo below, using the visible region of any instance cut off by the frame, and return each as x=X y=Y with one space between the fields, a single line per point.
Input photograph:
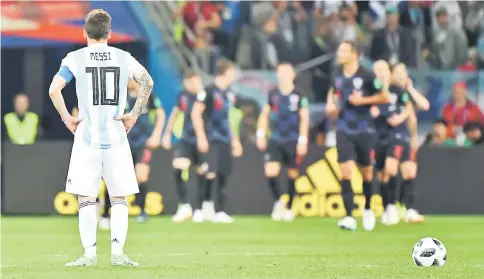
x=323 y=44
x=201 y=18
x=394 y=43
x=449 y=43
x=471 y=64
x=346 y=27
x=22 y=124
x=234 y=15
x=453 y=11
x=474 y=132
x=460 y=110
x=294 y=30
x=263 y=44
x=439 y=136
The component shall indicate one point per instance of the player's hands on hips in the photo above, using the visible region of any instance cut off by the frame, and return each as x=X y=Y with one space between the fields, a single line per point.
x=301 y=149
x=202 y=144
x=166 y=142
x=261 y=143
x=129 y=119
x=237 y=149
x=374 y=111
x=72 y=123
x=153 y=142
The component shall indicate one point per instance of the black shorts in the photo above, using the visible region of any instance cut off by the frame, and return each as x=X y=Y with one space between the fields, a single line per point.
x=141 y=155
x=219 y=158
x=359 y=148
x=284 y=153
x=188 y=150
x=394 y=148
x=399 y=149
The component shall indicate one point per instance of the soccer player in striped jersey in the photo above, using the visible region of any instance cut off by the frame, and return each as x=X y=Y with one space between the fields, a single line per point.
x=186 y=154
x=101 y=149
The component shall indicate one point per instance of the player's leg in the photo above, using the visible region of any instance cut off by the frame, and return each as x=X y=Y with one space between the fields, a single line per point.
x=272 y=169
x=142 y=158
x=83 y=179
x=290 y=162
x=394 y=155
x=104 y=221
x=224 y=169
x=205 y=185
x=181 y=163
x=210 y=160
x=380 y=157
x=365 y=153
x=120 y=178
x=198 y=214
x=346 y=158
x=409 y=173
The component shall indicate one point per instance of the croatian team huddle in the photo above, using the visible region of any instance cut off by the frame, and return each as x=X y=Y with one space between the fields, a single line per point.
x=375 y=121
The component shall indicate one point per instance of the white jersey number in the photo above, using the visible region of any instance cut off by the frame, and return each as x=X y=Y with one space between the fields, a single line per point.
x=109 y=82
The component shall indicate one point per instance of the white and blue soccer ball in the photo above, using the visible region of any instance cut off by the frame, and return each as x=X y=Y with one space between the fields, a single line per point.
x=429 y=251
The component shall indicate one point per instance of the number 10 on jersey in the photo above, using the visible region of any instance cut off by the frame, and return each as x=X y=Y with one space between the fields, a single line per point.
x=109 y=83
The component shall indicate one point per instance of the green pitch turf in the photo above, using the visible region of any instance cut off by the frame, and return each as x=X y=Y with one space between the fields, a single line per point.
x=253 y=247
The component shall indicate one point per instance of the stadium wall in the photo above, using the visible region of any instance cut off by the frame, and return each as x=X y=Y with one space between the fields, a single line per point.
x=450 y=181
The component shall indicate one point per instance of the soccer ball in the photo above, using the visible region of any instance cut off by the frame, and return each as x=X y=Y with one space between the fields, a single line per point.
x=429 y=251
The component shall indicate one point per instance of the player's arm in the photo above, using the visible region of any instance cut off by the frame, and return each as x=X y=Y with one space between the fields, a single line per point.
x=379 y=93
x=198 y=109
x=146 y=83
x=399 y=118
x=263 y=125
x=55 y=92
x=263 y=121
x=197 y=119
x=331 y=98
x=160 y=118
x=235 y=127
x=420 y=101
x=303 y=121
x=60 y=80
x=171 y=120
x=412 y=124
x=331 y=103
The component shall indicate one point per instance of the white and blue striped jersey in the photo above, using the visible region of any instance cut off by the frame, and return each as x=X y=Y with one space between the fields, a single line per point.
x=102 y=74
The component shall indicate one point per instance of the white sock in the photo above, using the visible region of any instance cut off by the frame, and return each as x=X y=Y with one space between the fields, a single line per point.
x=88 y=227
x=119 y=226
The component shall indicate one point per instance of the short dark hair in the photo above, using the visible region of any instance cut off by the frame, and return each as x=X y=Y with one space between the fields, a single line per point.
x=439 y=121
x=98 y=24
x=442 y=11
x=353 y=45
x=189 y=73
x=223 y=65
x=469 y=126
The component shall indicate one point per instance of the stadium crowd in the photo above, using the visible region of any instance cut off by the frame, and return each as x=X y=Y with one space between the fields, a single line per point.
x=425 y=35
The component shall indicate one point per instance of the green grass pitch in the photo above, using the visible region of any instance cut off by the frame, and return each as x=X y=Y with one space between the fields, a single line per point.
x=252 y=247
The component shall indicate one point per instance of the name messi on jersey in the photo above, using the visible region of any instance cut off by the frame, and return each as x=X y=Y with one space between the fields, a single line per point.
x=100 y=56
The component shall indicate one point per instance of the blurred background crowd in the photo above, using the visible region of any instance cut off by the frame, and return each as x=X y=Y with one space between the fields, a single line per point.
x=441 y=40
